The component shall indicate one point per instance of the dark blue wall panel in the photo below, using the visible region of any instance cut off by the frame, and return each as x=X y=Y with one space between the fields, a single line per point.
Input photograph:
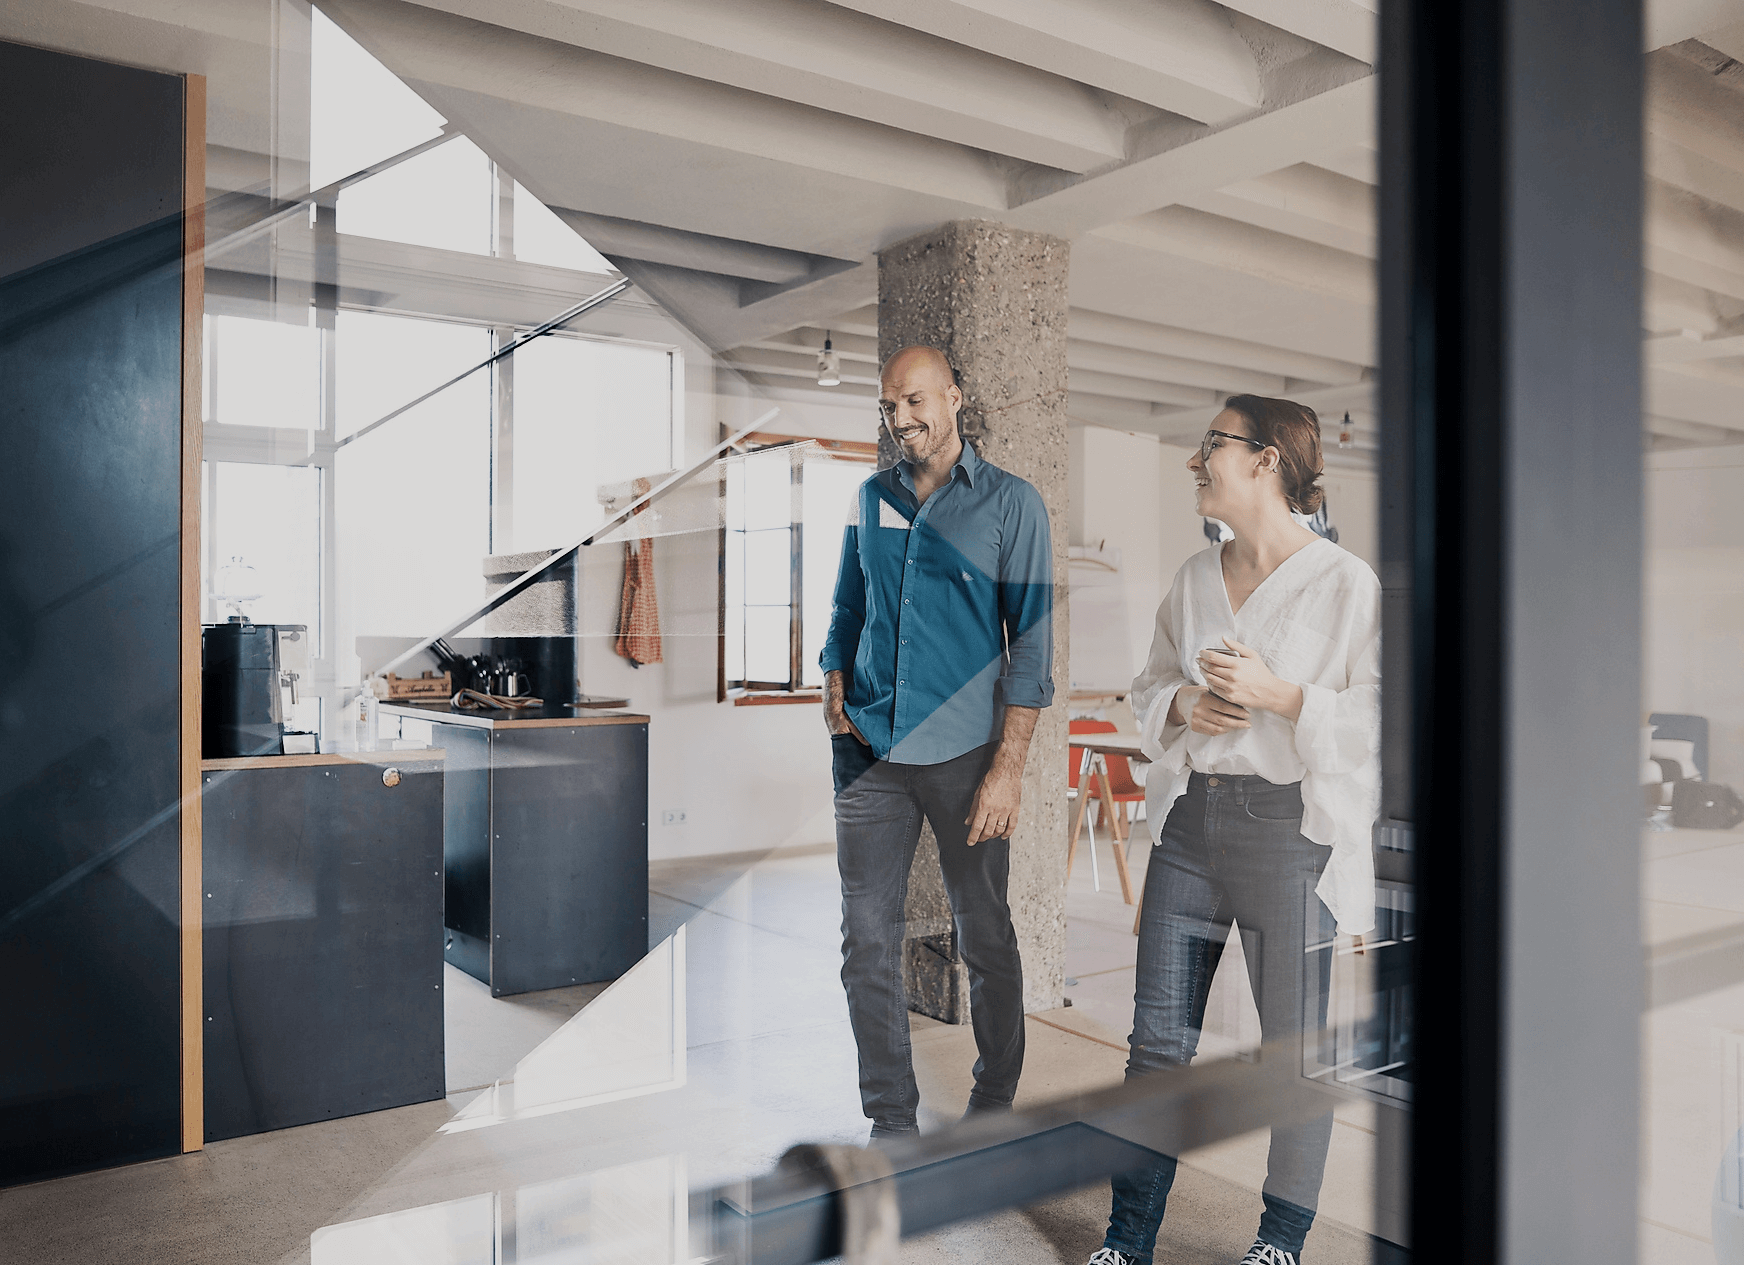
x=90 y=421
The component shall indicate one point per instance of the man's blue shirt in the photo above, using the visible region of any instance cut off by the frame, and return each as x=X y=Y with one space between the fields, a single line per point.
x=943 y=611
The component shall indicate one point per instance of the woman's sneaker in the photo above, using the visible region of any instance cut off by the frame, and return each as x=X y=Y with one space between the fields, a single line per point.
x=1263 y=1253
x=1108 y=1256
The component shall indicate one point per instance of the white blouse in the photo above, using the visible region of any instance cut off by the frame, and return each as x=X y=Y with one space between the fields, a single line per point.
x=1316 y=621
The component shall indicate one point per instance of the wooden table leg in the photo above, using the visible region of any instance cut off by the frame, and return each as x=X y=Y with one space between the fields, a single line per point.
x=1078 y=814
x=1119 y=851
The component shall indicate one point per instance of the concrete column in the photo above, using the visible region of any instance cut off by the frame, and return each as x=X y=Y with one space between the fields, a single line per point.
x=993 y=299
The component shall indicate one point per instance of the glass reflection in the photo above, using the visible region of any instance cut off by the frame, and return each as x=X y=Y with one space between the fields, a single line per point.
x=628 y=1042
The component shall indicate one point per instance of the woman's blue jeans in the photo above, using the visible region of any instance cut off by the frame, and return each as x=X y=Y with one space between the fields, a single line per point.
x=1231 y=851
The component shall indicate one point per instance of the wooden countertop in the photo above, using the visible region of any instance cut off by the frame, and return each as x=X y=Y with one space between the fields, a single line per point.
x=547 y=716
x=424 y=755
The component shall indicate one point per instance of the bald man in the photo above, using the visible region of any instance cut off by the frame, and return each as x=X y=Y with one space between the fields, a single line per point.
x=939 y=659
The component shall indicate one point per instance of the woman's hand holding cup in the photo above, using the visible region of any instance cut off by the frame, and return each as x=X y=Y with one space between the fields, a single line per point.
x=1205 y=713
x=1241 y=676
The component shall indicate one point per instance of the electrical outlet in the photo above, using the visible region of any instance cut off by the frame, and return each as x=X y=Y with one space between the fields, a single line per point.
x=672 y=817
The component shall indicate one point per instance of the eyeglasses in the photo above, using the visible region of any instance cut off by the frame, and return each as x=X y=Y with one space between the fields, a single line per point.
x=1206 y=448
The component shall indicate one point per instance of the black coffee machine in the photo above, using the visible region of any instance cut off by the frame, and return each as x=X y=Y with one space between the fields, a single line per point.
x=241 y=675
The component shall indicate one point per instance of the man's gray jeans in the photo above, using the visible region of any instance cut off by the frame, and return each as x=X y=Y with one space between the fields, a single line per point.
x=879 y=808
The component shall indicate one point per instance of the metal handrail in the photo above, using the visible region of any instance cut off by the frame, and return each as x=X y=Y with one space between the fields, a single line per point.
x=987 y=1164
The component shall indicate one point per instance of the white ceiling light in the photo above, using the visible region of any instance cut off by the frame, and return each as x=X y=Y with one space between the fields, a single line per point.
x=829 y=365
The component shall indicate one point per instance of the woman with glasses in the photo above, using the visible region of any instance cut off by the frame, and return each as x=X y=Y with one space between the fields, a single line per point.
x=1260 y=711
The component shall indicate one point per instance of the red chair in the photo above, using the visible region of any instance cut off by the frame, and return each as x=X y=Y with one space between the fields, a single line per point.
x=1114 y=786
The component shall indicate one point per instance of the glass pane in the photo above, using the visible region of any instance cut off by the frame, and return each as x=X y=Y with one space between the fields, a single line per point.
x=413 y=498
x=441 y=198
x=542 y=238
x=587 y=415
x=769 y=567
x=1692 y=688
x=262 y=373
x=269 y=517
x=768 y=489
x=733 y=602
x=385 y=362
x=733 y=507
x=359 y=113
x=735 y=569
x=827 y=494
x=767 y=629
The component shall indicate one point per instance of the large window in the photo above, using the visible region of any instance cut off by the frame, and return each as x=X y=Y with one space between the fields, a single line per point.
x=786 y=505
x=587 y=413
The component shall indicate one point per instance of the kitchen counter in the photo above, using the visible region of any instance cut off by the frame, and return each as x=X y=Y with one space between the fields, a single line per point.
x=544 y=716
x=544 y=842
x=322 y=936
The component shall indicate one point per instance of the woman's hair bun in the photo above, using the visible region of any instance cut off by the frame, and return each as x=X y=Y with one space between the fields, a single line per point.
x=1294 y=430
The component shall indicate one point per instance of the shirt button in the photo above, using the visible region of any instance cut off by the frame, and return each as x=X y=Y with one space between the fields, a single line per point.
x=902 y=682
x=911 y=562
x=905 y=641
x=905 y=601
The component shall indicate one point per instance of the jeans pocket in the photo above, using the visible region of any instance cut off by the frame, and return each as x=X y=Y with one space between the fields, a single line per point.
x=850 y=759
x=1277 y=805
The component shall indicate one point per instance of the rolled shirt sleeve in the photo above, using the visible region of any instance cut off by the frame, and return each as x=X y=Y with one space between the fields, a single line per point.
x=1026 y=601
x=848 y=604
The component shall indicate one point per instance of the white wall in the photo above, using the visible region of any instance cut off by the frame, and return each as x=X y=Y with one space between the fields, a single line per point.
x=746 y=778
x=1693 y=659
x=1133 y=493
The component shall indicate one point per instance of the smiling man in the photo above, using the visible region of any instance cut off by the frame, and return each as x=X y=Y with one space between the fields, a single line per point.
x=938 y=661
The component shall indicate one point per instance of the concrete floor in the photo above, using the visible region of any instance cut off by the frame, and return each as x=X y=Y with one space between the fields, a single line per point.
x=702 y=1065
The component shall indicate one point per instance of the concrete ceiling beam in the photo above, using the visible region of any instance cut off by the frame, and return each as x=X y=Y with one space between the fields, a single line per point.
x=1182 y=56
x=1223 y=379
x=1123 y=387
x=861 y=320
x=1188 y=426
x=1671 y=21
x=1692 y=432
x=1688 y=347
x=1236 y=247
x=1686 y=393
x=1302 y=201
x=777 y=387
x=635 y=240
x=810 y=340
x=1684 y=168
x=1195 y=161
x=839 y=60
x=1121 y=331
x=1687 y=106
x=1349 y=27
x=1359 y=162
x=437 y=52
x=791 y=364
x=1693 y=242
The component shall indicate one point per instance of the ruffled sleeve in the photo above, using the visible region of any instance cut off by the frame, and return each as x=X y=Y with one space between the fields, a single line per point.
x=1338 y=739
x=1154 y=689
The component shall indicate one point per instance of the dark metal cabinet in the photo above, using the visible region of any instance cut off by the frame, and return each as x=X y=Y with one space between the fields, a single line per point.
x=545 y=846
x=323 y=938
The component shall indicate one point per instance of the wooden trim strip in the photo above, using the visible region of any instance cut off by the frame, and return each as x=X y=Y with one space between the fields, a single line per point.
x=421 y=755
x=766 y=700
x=192 y=876
x=854 y=449
x=551 y=722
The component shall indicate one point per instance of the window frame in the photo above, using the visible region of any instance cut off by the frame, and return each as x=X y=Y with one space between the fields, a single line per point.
x=743 y=692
